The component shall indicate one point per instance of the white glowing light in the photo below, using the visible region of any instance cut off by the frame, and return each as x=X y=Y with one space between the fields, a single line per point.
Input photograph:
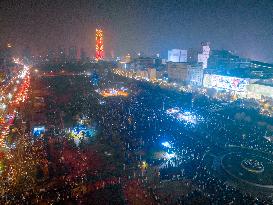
x=187 y=117
x=9 y=95
x=169 y=156
x=3 y=106
x=166 y=144
x=172 y=110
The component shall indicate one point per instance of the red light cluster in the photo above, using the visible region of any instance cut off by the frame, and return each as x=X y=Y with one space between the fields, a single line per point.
x=99 y=45
x=22 y=93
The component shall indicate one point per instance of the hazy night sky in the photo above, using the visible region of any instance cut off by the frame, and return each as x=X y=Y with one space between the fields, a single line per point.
x=150 y=26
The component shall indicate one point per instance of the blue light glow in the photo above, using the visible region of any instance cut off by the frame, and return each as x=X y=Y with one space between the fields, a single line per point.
x=83 y=130
x=38 y=131
x=166 y=144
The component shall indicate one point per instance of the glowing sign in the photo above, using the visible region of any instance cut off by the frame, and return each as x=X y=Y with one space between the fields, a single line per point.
x=225 y=82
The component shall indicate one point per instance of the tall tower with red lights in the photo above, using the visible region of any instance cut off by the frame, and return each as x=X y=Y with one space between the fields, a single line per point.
x=99 y=45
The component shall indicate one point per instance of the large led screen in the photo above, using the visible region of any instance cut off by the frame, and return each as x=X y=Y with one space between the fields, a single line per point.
x=225 y=82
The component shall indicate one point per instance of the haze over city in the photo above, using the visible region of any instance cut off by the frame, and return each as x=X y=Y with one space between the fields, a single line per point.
x=147 y=26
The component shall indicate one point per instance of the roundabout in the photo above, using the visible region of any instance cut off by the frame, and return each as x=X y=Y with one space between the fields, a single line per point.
x=249 y=166
x=252 y=165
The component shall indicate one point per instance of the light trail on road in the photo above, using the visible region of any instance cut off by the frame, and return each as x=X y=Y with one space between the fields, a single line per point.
x=12 y=94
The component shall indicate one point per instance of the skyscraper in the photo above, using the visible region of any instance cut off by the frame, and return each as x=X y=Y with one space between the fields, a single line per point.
x=204 y=56
x=177 y=56
x=99 y=45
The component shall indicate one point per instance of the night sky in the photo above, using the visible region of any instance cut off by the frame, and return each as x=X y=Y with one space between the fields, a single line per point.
x=149 y=26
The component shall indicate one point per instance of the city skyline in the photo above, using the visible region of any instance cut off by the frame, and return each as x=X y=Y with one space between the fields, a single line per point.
x=142 y=26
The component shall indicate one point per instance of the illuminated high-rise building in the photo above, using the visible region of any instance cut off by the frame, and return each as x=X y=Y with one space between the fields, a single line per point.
x=177 y=56
x=99 y=45
x=204 y=56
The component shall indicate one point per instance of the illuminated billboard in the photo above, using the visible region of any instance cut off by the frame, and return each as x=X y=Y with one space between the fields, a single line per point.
x=225 y=82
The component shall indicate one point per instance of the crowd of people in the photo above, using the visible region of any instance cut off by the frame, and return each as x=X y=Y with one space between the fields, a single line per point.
x=131 y=131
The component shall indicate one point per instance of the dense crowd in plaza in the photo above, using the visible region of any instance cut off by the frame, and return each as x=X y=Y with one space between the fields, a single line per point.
x=133 y=131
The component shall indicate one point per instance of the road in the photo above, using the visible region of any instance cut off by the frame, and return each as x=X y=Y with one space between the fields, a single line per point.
x=12 y=95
